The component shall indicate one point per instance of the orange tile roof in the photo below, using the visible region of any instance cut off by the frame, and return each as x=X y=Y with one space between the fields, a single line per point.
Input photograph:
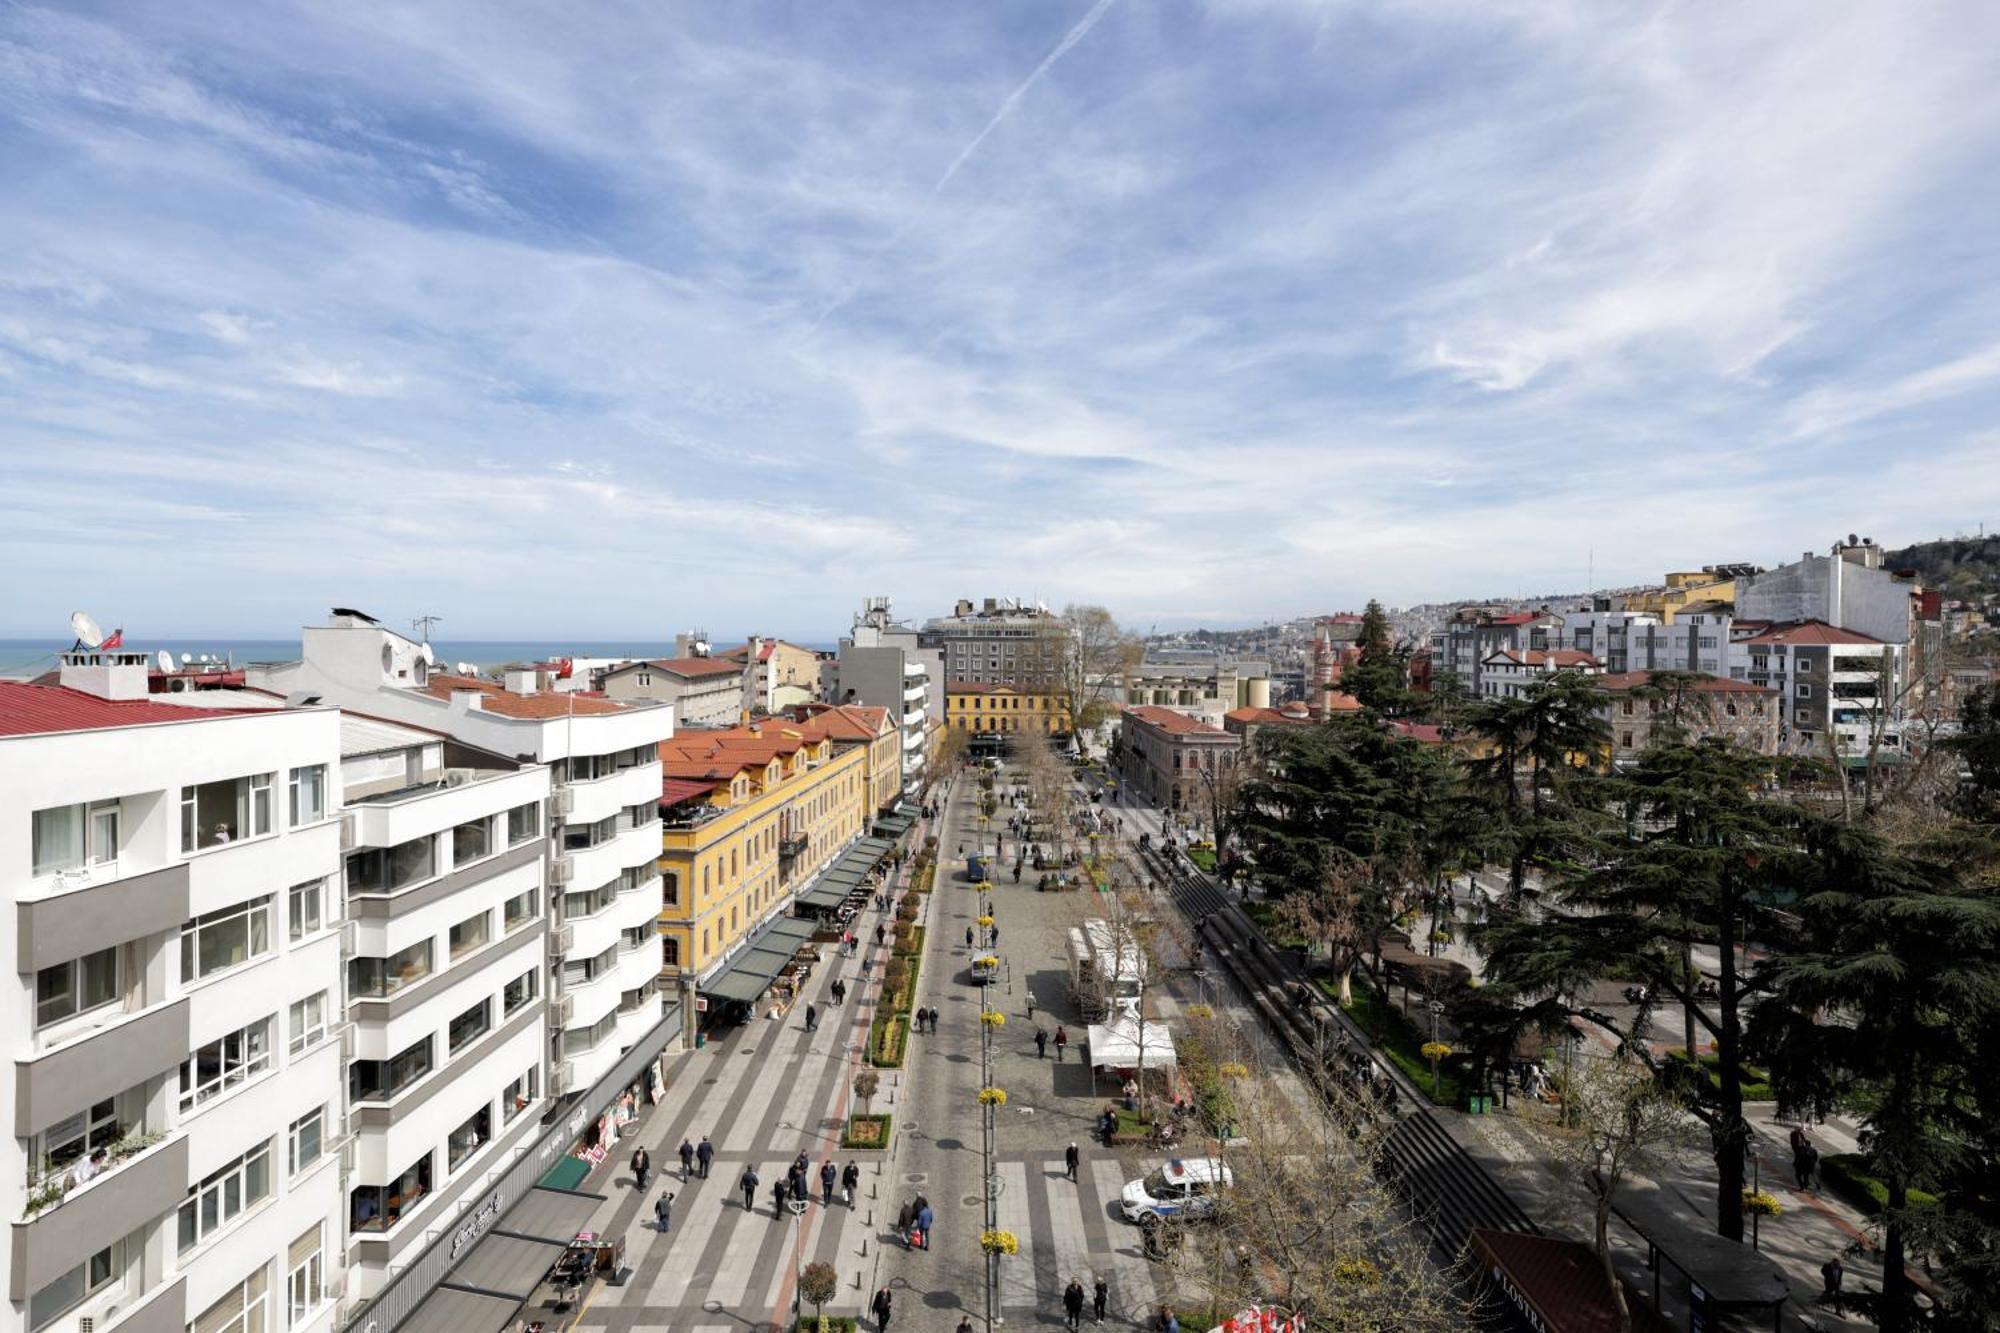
x=1812 y=632
x=1261 y=716
x=686 y=667
x=27 y=710
x=1179 y=724
x=853 y=722
x=540 y=706
x=1631 y=680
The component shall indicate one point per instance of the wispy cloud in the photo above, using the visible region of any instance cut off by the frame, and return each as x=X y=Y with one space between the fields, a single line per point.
x=652 y=318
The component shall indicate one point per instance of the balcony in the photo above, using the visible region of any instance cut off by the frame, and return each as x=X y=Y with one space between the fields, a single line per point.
x=147 y=1185
x=599 y=798
x=792 y=848
x=100 y=1064
x=108 y=909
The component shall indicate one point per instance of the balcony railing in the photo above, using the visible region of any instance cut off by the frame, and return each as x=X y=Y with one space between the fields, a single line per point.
x=49 y=1185
x=792 y=847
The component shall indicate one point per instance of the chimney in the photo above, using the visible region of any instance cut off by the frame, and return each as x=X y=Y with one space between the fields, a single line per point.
x=520 y=680
x=468 y=701
x=112 y=675
x=991 y=603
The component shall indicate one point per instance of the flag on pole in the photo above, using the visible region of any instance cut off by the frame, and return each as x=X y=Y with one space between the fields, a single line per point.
x=566 y=668
x=116 y=639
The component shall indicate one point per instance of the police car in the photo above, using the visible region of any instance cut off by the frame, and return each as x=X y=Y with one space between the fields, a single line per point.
x=1182 y=1189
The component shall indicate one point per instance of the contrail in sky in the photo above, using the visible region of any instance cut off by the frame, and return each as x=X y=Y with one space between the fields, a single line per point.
x=1006 y=109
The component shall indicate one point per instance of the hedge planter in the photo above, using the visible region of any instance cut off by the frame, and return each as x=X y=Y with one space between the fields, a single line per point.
x=888 y=1040
x=826 y=1323
x=867 y=1131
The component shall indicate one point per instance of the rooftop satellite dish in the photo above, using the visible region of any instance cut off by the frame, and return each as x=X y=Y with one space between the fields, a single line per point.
x=166 y=661
x=186 y=658
x=430 y=658
x=87 y=632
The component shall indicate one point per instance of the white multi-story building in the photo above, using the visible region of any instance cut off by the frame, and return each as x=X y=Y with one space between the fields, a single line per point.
x=604 y=826
x=175 y=1089
x=446 y=1043
x=1507 y=673
x=1837 y=688
x=1697 y=641
x=880 y=664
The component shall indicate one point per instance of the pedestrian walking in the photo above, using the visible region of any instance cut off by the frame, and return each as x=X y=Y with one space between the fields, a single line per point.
x=906 y=1217
x=924 y=1220
x=687 y=1159
x=1062 y=1040
x=749 y=1183
x=850 y=1180
x=965 y=1323
x=930 y=1019
x=799 y=1188
x=780 y=1191
x=1099 y=1295
x=1070 y=1159
x=879 y=935
x=663 y=1212
x=827 y=1175
x=1833 y=1274
x=812 y=1018
x=992 y=937
x=968 y=937
x=642 y=1167
x=1041 y=1044
x=1031 y=1004
x=704 y=1154
x=1073 y=1303
x=1804 y=1162
x=881 y=1305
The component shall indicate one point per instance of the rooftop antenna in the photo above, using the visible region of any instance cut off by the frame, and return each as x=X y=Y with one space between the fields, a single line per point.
x=422 y=626
x=88 y=633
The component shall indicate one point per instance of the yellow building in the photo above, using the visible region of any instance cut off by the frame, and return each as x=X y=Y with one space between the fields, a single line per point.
x=872 y=729
x=1685 y=588
x=981 y=710
x=751 y=813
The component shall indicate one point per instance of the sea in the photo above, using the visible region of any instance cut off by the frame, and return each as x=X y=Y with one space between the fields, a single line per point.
x=24 y=658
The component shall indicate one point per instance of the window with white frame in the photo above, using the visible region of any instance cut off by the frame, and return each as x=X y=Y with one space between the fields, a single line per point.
x=215 y=813
x=305 y=1140
x=225 y=1195
x=241 y=1309
x=74 y=837
x=520 y=909
x=521 y=990
x=73 y=1138
x=523 y=822
x=308 y=794
x=520 y=1094
x=78 y=986
x=305 y=909
x=307 y=1027
x=305 y=1289
x=218 y=941
x=226 y=1062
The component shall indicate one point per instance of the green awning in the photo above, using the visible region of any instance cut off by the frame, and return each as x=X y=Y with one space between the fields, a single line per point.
x=826 y=895
x=567 y=1174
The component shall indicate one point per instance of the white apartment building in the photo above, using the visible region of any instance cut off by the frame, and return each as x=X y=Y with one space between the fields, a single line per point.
x=175 y=1090
x=1697 y=641
x=604 y=823
x=880 y=665
x=1828 y=679
x=1507 y=673
x=446 y=1045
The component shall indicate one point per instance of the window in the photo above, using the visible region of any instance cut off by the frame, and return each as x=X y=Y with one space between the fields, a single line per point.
x=472 y=841
x=305 y=1289
x=581 y=970
x=637 y=937
x=215 y=813
x=382 y=1080
x=373 y=978
x=226 y=1062
x=221 y=940
x=222 y=1198
x=1804 y=691
x=1805 y=665
x=1626 y=740
x=523 y=823
x=577 y=837
x=76 y=987
x=73 y=837
x=241 y=1310
x=578 y=1040
x=519 y=910
x=379 y=1207
x=305 y=909
x=520 y=1093
x=589 y=902
x=470 y=934
x=308 y=794
x=469 y=1138
x=469 y=1027
x=67 y=1292
x=305 y=1140
x=387 y=869
x=519 y=991
x=670 y=950
x=308 y=1022
x=73 y=1138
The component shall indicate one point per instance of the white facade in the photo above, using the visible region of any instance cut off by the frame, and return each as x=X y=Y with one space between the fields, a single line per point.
x=175 y=890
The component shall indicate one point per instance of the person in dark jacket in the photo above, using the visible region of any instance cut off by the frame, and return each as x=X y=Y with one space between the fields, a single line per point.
x=850 y=1180
x=1071 y=1156
x=880 y=1306
x=812 y=1018
x=925 y=1219
x=827 y=1175
x=1073 y=1303
x=642 y=1167
x=1041 y=1044
x=749 y=1184
x=687 y=1159
x=705 y=1153
x=663 y=1211
x=1062 y=1040
x=1099 y=1296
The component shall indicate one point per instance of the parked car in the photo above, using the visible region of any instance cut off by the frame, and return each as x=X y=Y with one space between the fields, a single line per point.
x=1184 y=1188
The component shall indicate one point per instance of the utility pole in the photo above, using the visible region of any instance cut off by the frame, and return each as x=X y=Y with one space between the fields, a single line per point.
x=421 y=626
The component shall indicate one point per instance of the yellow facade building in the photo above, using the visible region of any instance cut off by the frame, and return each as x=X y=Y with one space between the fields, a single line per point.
x=1002 y=709
x=750 y=814
x=1685 y=588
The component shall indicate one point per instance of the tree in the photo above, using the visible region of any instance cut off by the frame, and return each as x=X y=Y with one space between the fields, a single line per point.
x=866 y=1084
x=1978 y=747
x=1884 y=1007
x=1221 y=793
x=1549 y=735
x=1379 y=678
x=1701 y=858
x=1084 y=657
x=1619 y=1121
x=818 y=1283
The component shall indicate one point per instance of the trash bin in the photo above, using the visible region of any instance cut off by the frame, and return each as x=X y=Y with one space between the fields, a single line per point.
x=700 y=1040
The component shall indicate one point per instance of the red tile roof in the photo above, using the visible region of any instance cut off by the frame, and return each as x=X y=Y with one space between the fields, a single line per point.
x=1178 y=724
x=1261 y=716
x=845 y=722
x=1514 y=618
x=37 y=710
x=1811 y=632
x=1631 y=680
x=1560 y=1280
x=673 y=791
x=499 y=701
x=687 y=668
x=1427 y=732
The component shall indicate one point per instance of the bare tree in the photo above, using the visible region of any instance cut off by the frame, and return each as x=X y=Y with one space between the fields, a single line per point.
x=1328 y=916
x=1083 y=657
x=1618 y=1121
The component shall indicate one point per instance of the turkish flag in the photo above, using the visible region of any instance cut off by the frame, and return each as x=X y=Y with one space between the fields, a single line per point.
x=117 y=639
x=566 y=670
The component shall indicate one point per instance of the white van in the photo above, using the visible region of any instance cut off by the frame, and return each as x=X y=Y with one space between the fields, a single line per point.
x=1183 y=1188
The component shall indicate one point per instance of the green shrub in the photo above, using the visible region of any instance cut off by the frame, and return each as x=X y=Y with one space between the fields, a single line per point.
x=1396 y=1037
x=1756 y=1083
x=826 y=1323
x=1847 y=1175
x=877 y=1136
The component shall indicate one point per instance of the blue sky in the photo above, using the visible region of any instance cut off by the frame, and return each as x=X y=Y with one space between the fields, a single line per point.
x=621 y=318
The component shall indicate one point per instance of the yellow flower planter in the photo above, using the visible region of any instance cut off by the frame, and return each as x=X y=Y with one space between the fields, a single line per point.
x=999 y=1242
x=993 y=1096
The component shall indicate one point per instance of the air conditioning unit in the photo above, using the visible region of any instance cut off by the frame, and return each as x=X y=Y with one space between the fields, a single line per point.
x=563 y=940
x=344 y=1034
x=563 y=1076
x=350 y=938
x=561 y=802
x=349 y=830
x=562 y=1009
x=347 y=1156
x=562 y=870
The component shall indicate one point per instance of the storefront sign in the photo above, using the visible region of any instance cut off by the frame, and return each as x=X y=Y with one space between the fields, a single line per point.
x=476 y=1225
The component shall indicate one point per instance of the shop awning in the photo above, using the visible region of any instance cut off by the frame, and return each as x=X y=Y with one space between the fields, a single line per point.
x=1116 y=1045
x=481 y=1292
x=1557 y=1284
x=751 y=973
x=448 y=1310
x=824 y=896
x=894 y=825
